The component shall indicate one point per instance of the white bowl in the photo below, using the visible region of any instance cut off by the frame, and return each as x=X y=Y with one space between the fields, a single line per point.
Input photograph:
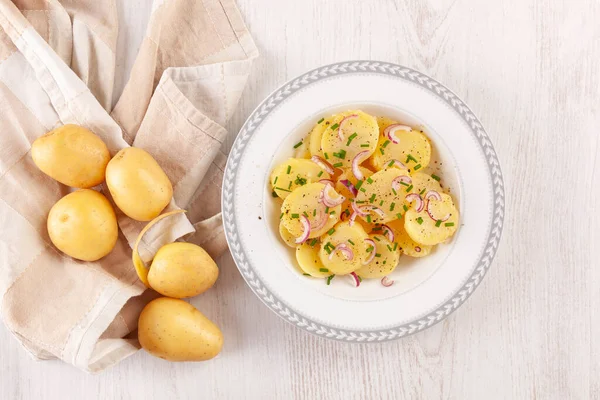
x=426 y=290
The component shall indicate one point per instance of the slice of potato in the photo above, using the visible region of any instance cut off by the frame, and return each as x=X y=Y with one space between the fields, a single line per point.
x=377 y=191
x=293 y=173
x=422 y=228
x=405 y=243
x=303 y=150
x=413 y=149
x=423 y=183
x=309 y=260
x=306 y=199
x=287 y=237
x=351 y=236
x=315 y=136
x=385 y=260
x=359 y=134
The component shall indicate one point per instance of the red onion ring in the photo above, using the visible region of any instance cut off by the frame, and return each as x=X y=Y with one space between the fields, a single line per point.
x=350 y=186
x=352 y=218
x=398 y=179
x=306 y=227
x=340 y=133
x=323 y=217
x=432 y=194
x=398 y=163
x=387 y=231
x=371 y=255
x=355 y=279
x=328 y=200
x=387 y=282
x=344 y=249
x=390 y=132
x=430 y=213
x=376 y=209
x=357 y=210
x=323 y=164
x=356 y=164
x=419 y=201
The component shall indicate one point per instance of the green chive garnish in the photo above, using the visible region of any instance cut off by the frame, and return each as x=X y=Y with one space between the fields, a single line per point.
x=405 y=208
x=275 y=181
x=418 y=166
x=300 y=181
x=335 y=126
x=377 y=255
x=381 y=151
x=337 y=165
x=281 y=216
x=305 y=274
x=323 y=270
x=351 y=138
x=290 y=185
x=438 y=222
x=351 y=242
x=326 y=156
x=274 y=194
x=381 y=203
x=298 y=144
x=285 y=190
x=386 y=143
x=305 y=214
x=320 y=173
x=395 y=245
x=358 y=185
x=410 y=157
x=399 y=215
x=341 y=154
x=377 y=228
x=421 y=192
x=449 y=224
x=326 y=210
x=313 y=242
x=391 y=163
x=376 y=238
x=389 y=247
x=437 y=178
x=420 y=220
x=314 y=212
x=359 y=278
x=404 y=183
x=372 y=198
x=384 y=261
x=368 y=218
x=363 y=190
x=364 y=145
x=329 y=278
x=395 y=193
x=370 y=249
x=392 y=206
x=321 y=120
x=331 y=231
x=295 y=215
x=289 y=169
x=369 y=180
x=409 y=188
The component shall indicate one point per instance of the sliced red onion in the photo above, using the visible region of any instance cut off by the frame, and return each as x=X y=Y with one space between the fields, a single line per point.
x=331 y=201
x=323 y=217
x=432 y=194
x=344 y=249
x=397 y=163
x=326 y=181
x=352 y=218
x=357 y=209
x=375 y=209
x=323 y=164
x=355 y=279
x=417 y=198
x=371 y=254
x=306 y=228
x=391 y=130
x=417 y=249
x=350 y=186
x=430 y=213
x=340 y=133
x=387 y=231
x=402 y=178
x=356 y=164
x=387 y=282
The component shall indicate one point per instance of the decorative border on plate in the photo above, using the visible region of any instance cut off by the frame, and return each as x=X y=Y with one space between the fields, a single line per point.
x=357 y=67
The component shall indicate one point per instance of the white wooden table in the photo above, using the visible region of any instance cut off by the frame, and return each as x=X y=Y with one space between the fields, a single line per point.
x=530 y=69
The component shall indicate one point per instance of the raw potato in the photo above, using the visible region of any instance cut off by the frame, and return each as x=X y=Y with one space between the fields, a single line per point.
x=406 y=244
x=309 y=260
x=287 y=237
x=385 y=261
x=380 y=190
x=344 y=233
x=174 y=330
x=305 y=199
x=72 y=155
x=83 y=225
x=413 y=143
x=426 y=232
x=341 y=152
x=301 y=172
x=182 y=270
x=138 y=185
x=315 y=136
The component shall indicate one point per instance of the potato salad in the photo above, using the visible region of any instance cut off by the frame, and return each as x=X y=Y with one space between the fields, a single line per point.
x=357 y=195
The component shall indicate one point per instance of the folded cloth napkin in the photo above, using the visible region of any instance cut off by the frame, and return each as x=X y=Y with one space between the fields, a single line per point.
x=57 y=62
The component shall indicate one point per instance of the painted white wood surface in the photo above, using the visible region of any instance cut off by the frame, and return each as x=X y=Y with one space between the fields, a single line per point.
x=530 y=69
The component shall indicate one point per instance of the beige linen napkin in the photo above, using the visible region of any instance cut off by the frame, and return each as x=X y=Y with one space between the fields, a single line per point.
x=57 y=67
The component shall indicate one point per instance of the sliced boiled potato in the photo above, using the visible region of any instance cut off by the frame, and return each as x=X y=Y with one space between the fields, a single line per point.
x=422 y=228
x=385 y=260
x=305 y=201
x=287 y=237
x=359 y=134
x=377 y=192
x=315 y=135
x=423 y=183
x=309 y=260
x=293 y=173
x=405 y=243
x=352 y=237
x=345 y=179
x=302 y=150
x=413 y=148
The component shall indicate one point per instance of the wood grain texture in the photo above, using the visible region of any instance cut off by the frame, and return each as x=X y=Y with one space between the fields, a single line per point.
x=530 y=70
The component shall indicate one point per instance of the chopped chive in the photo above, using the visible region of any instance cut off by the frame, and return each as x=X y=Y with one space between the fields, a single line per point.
x=281 y=216
x=420 y=220
x=405 y=208
x=418 y=166
x=384 y=261
x=370 y=249
x=279 y=188
x=323 y=270
x=438 y=222
x=391 y=163
x=449 y=224
x=409 y=188
x=341 y=154
x=363 y=190
x=368 y=218
x=351 y=138
x=327 y=249
x=274 y=194
x=326 y=156
x=372 y=198
x=321 y=120
x=305 y=214
x=347 y=212
x=313 y=242
x=358 y=185
x=410 y=157
x=381 y=203
x=359 y=278
x=314 y=212
x=377 y=228
x=389 y=247
x=386 y=143
x=381 y=151
x=437 y=178
x=395 y=245
x=376 y=238
x=399 y=215
x=332 y=213
x=329 y=278
x=326 y=210
x=300 y=181
x=392 y=206
x=320 y=173
x=295 y=215
x=360 y=201
x=404 y=183
x=395 y=193
x=290 y=185
x=364 y=145
x=422 y=191
x=298 y=144
x=369 y=180
x=337 y=165
x=351 y=242
x=335 y=126
x=377 y=255
x=289 y=169
x=275 y=181
x=305 y=274
x=331 y=231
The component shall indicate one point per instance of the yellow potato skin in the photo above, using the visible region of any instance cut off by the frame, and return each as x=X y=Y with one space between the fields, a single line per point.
x=182 y=270
x=83 y=225
x=174 y=330
x=138 y=185
x=72 y=155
